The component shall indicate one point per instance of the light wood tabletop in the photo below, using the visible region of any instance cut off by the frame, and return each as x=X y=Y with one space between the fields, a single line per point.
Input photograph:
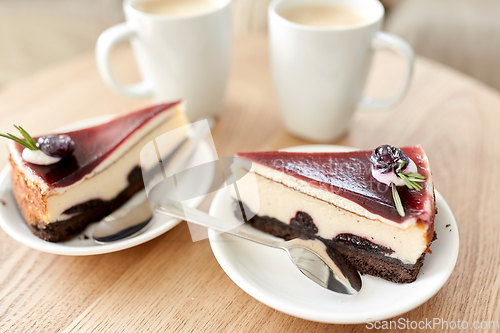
x=173 y=284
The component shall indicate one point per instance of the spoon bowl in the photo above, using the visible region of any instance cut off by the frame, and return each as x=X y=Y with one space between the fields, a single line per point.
x=125 y=222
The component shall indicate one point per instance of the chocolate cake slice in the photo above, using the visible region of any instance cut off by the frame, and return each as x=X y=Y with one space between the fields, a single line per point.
x=348 y=201
x=102 y=172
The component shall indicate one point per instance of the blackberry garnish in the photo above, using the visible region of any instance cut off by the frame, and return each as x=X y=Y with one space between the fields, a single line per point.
x=56 y=145
x=387 y=158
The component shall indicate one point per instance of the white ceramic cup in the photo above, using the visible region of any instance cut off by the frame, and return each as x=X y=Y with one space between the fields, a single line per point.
x=320 y=73
x=179 y=57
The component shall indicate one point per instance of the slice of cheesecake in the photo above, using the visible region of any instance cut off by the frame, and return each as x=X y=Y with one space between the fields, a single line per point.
x=59 y=200
x=335 y=197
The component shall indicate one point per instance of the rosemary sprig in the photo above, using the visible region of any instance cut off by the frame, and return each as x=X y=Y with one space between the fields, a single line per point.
x=26 y=136
x=397 y=200
x=28 y=141
x=411 y=180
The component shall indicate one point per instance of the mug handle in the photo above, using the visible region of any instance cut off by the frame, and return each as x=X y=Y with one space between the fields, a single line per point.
x=105 y=44
x=401 y=47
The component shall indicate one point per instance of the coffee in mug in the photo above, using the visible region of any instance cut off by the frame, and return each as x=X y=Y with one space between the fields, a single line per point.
x=176 y=7
x=324 y=16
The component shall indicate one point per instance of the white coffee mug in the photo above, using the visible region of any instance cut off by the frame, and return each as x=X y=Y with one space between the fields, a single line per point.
x=320 y=73
x=179 y=57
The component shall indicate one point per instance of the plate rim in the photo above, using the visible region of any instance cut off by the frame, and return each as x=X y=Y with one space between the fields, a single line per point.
x=282 y=306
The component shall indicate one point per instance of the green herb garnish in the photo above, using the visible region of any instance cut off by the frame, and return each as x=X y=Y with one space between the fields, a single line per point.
x=397 y=200
x=29 y=143
x=411 y=180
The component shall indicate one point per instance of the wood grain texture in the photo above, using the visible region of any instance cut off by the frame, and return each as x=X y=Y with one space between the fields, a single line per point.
x=172 y=284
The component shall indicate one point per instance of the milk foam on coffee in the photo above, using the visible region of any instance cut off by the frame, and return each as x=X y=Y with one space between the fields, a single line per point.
x=326 y=16
x=175 y=7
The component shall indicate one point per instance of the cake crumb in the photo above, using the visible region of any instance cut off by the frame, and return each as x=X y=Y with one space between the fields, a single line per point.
x=85 y=237
x=447 y=225
x=3 y=202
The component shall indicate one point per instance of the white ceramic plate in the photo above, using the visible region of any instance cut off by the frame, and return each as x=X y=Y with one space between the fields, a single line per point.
x=269 y=276
x=12 y=222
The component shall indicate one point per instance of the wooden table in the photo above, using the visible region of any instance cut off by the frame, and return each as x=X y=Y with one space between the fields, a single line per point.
x=173 y=284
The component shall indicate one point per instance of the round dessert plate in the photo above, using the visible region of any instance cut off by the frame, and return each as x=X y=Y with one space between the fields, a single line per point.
x=12 y=222
x=269 y=276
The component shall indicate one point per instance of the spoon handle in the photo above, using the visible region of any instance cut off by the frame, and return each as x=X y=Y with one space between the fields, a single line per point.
x=199 y=217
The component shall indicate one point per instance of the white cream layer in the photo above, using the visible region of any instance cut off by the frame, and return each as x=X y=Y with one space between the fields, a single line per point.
x=110 y=177
x=38 y=157
x=282 y=203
